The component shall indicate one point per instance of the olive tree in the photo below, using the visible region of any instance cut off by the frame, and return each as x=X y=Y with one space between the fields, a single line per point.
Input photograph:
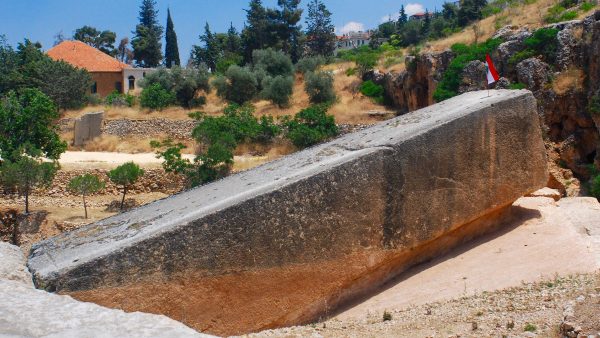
x=26 y=174
x=125 y=176
x=85 y=185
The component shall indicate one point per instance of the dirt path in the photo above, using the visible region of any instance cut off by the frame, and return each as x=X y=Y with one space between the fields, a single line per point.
x=71 y=160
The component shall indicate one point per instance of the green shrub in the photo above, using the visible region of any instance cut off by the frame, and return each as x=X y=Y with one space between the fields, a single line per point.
x=586 y=6
x=184 y=83
x=226 y=62
x=273 y=62
x=387 y=316
x=319 y=87
x=238 y=86
x=452 y=77
x=310 y=64
x=530 y=327
x=197 y=102
x=520 y=56
x=156 y=97
x=94 y=100
x=117 y=99
x=559 y=12
x=85 y=185
x=278 y=89
x=544 y=42
x=351 y=71
x=372 y=90
x=517 y=85
x=594 y=105
x=310 y=126
x=218 y=137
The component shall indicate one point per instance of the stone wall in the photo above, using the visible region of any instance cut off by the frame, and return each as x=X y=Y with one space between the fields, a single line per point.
x=87 y=127
x=293 y=239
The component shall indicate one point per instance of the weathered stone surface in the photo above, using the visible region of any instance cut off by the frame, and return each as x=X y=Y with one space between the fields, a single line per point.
x=533 y=73
x=12 y=265
x=87 y=128
x=26 y=312
x=360 y=204
x=473 y=77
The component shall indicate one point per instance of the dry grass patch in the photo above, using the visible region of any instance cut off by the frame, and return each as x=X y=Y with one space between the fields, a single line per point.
x=570 y=79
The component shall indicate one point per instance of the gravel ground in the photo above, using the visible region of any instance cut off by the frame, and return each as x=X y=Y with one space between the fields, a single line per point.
x=532 y=309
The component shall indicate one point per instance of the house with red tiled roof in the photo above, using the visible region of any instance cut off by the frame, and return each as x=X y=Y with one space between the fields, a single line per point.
x=108 y=73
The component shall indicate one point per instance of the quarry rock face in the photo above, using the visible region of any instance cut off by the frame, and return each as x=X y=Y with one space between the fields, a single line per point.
x=301 y=235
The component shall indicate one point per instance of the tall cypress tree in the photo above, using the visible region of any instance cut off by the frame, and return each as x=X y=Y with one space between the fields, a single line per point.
x=290 y=32
x=171 y=48
x=146 y=42
x=402 y=18
x=234 y=44
x=320 y=31
x=210 y=53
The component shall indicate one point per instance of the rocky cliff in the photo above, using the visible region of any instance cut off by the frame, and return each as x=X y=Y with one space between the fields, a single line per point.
x=563 y=89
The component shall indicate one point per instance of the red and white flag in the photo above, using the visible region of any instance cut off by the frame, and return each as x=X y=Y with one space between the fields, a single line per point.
x=492 y=74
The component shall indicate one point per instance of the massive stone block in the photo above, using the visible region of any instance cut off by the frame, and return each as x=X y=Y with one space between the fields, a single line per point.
x=87 y=127
x=303 y=234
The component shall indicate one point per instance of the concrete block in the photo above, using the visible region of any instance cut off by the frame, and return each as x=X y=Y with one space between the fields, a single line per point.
x=87 y=127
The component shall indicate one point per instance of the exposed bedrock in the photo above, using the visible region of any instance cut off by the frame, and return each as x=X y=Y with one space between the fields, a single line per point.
x=289 y=241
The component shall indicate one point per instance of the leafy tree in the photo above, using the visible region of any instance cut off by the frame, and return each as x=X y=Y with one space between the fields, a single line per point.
x=66 y=85
x=289 y=31
x=470 y=10
x=310 y=64
x=183 y=83
x=125 y=176
x=278 y=89
x=254 y=35
x=171 y=48
x=310 y=126
x=124 y=53
x=239 y=85
x=85 y=185
x=319 y=87
x=102 y=40
x=210 y=53
x=411 y=33
x=273 y=62
x=426 y=23
x=449 y=11
x=373 y=90
x=157 y=97
x=234 y=42
x=26 y=174
x=27 y=126
x=146 y=42
x=59 y=38
x=320 y=30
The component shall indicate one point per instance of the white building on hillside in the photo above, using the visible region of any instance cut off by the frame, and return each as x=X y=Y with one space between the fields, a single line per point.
x=353 y=40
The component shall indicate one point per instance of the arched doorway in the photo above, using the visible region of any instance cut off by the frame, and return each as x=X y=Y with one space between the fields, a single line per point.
x=131 y=79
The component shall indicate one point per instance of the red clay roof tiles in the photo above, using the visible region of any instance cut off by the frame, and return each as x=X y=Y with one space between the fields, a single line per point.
x=84 y=56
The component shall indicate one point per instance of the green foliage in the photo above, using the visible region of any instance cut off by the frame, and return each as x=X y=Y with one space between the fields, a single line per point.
x=27 y=126
x=224 y=63
x=146 y=42
x=521 y=55
x=219 y=136
x=559 y=12
x=117 y=99
x=595 y=186
x=29 y=67
x=26 y=174
x=594 y=104
x=103 y=41
x=387 y=316
x=273 y=62
x=517 y=85
x=156 y=97
x=171 y=47
x=530 y=327
x=320 y=29
x=125 y=176
x=319 y=87
x=85 y=185
x=310 y=64
x=239 y=85
x=351 y=71
x=586 y=6
x=451 y=79
x=372 y=90
x=183 y=83
x=469 y=11
x=278 y=89
x=311 y=126
x=543 y=42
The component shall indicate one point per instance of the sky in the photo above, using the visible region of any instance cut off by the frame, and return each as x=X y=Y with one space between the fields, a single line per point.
x=42 y=20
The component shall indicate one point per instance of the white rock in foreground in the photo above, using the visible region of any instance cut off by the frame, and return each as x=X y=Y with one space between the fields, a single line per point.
x=27 y=312
x=12 y=265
